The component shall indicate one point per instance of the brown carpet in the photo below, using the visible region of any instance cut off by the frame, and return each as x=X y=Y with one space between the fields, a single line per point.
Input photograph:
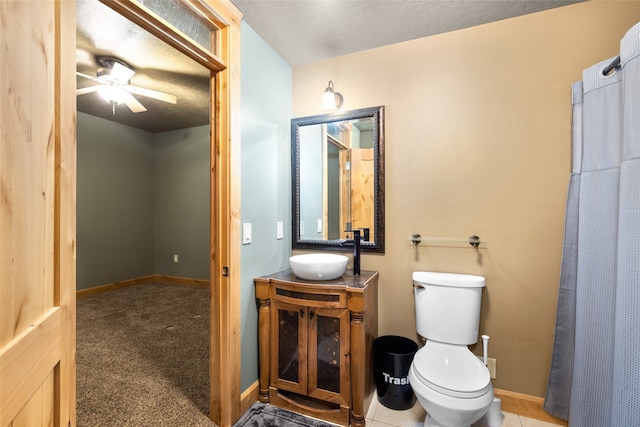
x=143 y=357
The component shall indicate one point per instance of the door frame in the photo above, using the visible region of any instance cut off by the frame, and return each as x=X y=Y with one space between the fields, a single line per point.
x=224 y=261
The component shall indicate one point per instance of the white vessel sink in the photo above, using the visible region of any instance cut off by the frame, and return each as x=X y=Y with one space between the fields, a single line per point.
x=318 y=266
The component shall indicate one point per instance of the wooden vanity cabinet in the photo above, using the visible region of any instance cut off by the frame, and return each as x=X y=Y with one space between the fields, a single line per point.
x=310 y=351
x=316 y=343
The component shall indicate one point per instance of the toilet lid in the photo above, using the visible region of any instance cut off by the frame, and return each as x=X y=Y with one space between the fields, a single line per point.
x=451 y=369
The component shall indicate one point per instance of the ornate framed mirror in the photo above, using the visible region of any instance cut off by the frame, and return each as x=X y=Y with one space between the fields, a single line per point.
x=337 y=175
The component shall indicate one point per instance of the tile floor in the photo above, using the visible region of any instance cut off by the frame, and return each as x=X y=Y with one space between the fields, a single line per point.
x=381 y=416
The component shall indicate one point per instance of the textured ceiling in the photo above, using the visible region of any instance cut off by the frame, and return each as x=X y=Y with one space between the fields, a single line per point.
x=100 y=31
x=312 y=30
x=301 y=31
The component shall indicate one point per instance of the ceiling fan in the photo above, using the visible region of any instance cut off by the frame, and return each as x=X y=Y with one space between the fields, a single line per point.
x=114 y=77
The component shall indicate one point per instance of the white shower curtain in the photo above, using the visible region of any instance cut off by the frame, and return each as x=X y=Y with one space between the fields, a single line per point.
x=595 y=372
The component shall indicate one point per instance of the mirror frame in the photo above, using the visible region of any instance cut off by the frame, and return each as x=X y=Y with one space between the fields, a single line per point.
x=377 y=115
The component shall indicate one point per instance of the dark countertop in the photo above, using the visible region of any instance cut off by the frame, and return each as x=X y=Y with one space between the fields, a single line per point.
x=348 y=280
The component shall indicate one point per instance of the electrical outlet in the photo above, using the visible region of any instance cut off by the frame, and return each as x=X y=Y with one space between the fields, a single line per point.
x=491 y=366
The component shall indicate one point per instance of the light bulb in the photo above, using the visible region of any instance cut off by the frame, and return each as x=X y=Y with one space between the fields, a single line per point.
x=329 y=100
x=112 y=93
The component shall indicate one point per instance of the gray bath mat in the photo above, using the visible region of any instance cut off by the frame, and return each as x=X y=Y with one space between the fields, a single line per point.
x=263 y=415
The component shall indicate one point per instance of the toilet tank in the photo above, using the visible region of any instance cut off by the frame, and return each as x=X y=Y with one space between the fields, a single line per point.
x=448 y=306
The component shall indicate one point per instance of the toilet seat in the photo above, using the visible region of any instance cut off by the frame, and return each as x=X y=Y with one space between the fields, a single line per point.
x=451 y=370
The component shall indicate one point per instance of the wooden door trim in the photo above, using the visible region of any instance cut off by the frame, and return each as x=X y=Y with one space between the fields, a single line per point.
x=166 y=32
x=65 y=211
x=225 y=367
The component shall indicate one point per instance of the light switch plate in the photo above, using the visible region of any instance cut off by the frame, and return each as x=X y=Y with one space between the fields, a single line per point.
x=279 y=230
x=246 y=233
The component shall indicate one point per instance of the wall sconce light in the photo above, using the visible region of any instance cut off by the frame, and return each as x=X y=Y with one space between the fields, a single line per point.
x=331 y=100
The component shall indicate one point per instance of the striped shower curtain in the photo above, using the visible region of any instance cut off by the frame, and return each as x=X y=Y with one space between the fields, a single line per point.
x=595 y=372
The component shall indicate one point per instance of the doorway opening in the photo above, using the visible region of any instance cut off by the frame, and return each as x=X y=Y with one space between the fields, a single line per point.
x=143 y=194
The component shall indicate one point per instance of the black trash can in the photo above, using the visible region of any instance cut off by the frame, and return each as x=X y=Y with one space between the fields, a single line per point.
x=392 y=357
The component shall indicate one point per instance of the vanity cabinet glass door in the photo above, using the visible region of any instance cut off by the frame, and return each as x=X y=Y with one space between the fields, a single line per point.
x=310 y=353
x=289 y=347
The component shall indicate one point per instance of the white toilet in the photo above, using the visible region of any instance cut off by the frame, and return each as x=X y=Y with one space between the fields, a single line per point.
x=449 y=381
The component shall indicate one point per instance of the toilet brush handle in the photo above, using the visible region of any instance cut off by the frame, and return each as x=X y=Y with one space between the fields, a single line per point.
x=485 y=349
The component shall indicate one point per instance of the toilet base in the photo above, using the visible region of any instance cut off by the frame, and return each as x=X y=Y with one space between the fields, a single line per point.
x=493 y=417
x=449 y=411
x=430 y=422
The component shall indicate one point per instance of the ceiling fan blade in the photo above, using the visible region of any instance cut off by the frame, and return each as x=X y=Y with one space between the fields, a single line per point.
x=132 y=103
x=86 y=76
x=161 y=96
x=84 y=90
x=121 y=73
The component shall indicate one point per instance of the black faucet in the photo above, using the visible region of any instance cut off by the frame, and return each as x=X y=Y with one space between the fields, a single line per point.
x=356 y=249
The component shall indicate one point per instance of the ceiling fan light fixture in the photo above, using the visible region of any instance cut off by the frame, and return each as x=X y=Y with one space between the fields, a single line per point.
x=113 y=94
x=113 y=86
x=114 y=72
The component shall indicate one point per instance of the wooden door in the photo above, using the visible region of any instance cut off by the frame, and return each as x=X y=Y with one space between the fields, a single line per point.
x=362 y=189
x=37 y=222
x=37 y=207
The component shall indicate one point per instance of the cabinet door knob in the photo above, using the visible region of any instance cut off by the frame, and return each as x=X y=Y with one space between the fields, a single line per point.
x=301 y=313
x=311 y=315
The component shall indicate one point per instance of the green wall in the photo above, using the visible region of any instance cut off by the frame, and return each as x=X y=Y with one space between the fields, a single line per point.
x=115 y=202
x=142 y=197
x=266 y=178
x=182 y=202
